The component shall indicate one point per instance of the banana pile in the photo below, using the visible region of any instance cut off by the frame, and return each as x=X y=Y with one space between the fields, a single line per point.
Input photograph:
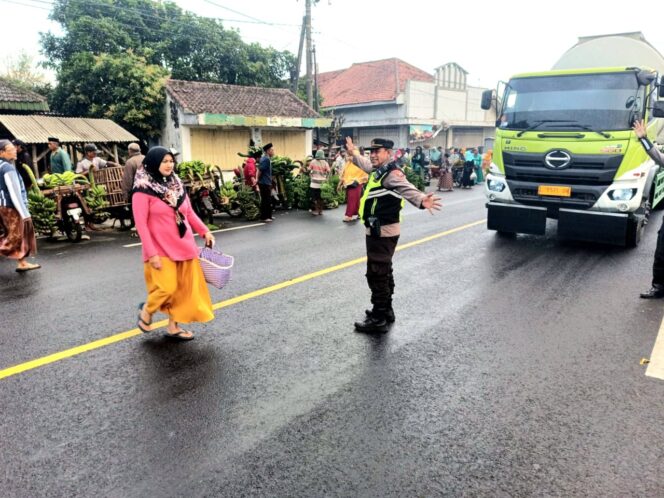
x=64 y=179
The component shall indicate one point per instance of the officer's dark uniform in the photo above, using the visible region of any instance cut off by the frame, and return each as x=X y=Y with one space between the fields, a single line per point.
x=380 y=210
x=657 y=290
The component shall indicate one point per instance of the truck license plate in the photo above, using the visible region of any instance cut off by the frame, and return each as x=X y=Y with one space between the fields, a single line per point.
x=554 y=190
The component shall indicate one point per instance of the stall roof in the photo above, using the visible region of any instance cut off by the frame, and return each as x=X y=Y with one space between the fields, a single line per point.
x=14 y=98
x=37 y=129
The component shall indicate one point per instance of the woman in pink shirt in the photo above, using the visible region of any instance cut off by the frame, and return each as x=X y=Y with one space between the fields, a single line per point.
x=164 y=221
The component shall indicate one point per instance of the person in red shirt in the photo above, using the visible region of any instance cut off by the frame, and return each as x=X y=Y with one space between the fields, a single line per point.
x=249 y=172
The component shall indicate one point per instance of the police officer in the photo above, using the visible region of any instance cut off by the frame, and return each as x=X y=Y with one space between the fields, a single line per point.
x=380 y=209
x=657 y=289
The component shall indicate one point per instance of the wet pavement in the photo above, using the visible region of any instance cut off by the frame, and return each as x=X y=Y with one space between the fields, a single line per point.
x=512 y=370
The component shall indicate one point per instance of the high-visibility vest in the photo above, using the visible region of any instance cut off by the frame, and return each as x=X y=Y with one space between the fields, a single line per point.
x=380 y=202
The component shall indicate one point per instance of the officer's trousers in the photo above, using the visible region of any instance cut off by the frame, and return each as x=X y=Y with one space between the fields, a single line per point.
x=379 y=271
x=658 y=265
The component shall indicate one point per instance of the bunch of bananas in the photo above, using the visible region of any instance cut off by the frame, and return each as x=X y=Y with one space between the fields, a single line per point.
x=227 y=192
x=96 y=199
x=42 y=210
x=63 y=179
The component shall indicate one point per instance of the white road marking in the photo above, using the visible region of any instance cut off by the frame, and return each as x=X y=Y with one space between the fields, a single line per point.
x=656 y=366
x=138 y=244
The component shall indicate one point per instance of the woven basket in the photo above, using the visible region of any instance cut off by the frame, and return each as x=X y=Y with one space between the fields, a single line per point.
x=216 y=267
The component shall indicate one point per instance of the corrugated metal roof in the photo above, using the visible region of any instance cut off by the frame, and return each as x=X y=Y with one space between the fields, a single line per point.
x=24 y=106
x=37 y=129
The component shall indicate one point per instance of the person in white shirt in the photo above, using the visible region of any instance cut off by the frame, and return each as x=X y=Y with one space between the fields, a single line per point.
x=91 y=159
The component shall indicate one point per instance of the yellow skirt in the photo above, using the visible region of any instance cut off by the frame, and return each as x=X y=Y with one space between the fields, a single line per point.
x=178 y=290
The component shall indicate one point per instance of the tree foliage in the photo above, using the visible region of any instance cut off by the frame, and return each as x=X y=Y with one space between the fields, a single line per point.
x=109 y=35
x=120 y=87
x=21 y=71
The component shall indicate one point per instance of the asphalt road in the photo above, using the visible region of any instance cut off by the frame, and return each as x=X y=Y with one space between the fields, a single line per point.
x=512 y=370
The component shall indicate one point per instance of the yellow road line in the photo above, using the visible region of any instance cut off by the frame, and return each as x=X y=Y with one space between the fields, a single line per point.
x=656 y=366
x=68 y=353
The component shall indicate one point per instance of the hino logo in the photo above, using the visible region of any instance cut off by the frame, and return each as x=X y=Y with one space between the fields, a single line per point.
x=557 y=159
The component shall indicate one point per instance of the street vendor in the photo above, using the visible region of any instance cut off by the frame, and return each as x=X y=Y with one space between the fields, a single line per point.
x=380 y=210
x=60 y=160
x=91 y=159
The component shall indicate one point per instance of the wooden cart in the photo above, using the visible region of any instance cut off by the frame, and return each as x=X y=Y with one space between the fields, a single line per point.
x=120 y=209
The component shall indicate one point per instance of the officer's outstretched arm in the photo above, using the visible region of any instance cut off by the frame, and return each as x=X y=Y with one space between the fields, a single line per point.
x=641 y=132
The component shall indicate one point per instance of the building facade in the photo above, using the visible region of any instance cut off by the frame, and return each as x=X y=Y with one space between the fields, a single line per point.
x=395 y=100
x=213 y=122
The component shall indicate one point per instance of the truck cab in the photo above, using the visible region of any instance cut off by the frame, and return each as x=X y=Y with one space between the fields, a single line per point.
x=565 y=150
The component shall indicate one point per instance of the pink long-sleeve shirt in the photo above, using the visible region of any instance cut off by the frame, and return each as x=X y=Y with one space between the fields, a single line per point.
x=155 y=223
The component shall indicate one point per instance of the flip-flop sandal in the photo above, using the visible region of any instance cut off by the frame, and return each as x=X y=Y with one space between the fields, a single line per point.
x=140 y=320
x=29 y=268
x=178 y=336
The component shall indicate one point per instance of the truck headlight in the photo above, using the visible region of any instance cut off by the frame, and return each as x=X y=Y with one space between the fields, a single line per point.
x=496 y=185
x=622 y=194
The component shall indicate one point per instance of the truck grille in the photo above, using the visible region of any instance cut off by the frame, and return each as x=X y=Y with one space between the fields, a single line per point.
x=583 y=169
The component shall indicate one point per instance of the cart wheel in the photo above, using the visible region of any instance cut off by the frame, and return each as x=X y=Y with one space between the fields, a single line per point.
x=73 y=231
x=126 y=223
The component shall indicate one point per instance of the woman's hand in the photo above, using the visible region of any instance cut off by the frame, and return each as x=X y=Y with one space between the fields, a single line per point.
x=209 y=240
x=640 y=129
x=155 y=262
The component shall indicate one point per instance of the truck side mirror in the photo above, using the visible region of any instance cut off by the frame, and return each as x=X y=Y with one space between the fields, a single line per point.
x=660 y=89
x=658 y=109
x=487 y=99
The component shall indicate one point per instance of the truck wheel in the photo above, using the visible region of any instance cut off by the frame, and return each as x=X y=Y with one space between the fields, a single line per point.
x=505 y=235
x=634 y=233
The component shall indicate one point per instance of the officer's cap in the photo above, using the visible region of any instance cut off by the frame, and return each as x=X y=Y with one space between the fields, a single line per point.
x=380 y=143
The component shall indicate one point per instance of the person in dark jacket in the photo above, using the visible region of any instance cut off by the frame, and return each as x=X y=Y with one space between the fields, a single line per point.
x=265 y=183
x=419 y=161
x=657 y=289
x=23 y=160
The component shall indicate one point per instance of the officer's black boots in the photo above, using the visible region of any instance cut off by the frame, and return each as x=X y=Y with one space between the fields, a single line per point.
x=377 y=321
x=656 y=292
x=389 y=315
x=372 y=325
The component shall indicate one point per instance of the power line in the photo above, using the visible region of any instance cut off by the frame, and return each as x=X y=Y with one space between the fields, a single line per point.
x=234 y=11
x=143 y=16
x=148 y=16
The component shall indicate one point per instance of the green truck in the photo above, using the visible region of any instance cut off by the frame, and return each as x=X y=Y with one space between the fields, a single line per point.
x=565 y=150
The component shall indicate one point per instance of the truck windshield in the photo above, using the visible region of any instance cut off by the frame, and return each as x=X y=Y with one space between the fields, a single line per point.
x=595 y=101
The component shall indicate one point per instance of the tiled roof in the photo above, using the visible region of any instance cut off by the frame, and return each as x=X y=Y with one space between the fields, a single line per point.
x=13 y=97
x=367 y=82
x=214 y=98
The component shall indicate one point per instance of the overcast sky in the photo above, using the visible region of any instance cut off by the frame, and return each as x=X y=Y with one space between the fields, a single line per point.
x=491 y=40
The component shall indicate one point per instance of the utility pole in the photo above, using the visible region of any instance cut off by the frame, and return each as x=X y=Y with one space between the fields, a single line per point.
x=315 y=106
x=295 y=80
x=310 y=89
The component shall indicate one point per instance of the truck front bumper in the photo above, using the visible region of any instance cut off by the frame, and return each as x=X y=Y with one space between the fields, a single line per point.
x=590 y=226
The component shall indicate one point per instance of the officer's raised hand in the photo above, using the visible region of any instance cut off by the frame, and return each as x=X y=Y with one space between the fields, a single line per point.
x=350 y=146
x=432 y=203
x=640 y=129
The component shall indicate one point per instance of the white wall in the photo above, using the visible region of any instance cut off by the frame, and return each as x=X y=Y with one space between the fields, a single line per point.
x=420 y=97
x=372 y=115
x=451 y=105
